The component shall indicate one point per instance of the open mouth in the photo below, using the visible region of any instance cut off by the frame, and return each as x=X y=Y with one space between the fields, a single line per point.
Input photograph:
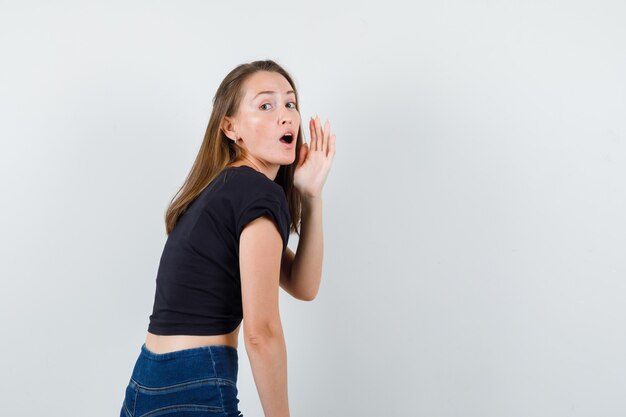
x=288 y=138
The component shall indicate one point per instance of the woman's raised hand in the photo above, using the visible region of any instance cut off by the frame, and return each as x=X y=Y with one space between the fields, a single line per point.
x=315 y=160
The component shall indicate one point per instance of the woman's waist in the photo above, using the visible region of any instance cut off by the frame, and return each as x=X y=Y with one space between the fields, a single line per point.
x=169 y=343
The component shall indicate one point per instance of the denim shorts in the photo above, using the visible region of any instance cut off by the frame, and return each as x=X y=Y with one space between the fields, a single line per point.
x=195 y=382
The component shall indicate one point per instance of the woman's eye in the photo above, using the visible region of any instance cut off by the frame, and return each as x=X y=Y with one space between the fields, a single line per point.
x=267 y=104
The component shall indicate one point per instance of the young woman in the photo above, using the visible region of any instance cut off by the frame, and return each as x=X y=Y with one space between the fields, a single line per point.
x=252 y=183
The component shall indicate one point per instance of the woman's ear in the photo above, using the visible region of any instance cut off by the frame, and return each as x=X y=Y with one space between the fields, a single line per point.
x=228 y=128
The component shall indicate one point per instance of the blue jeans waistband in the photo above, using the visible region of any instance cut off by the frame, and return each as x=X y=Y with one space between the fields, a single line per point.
x=216 y=361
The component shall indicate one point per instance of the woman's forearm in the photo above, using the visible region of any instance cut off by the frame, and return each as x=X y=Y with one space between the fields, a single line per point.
x=268 y=361
x=306 y=270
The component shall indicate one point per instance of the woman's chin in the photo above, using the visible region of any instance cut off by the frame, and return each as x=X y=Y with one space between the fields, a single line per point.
x=290 y=160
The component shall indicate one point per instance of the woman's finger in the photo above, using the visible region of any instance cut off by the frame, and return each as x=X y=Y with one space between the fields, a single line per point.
x=326 y=136
x=318 y=125
x=313 y=134
x=331 y=146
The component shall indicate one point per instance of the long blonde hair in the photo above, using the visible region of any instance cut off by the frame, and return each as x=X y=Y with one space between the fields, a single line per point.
x=218 y=151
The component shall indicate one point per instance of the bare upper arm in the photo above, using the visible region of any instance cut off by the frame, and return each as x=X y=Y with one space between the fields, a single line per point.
x=260 y=247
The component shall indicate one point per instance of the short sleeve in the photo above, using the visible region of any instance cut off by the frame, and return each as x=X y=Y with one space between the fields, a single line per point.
x=267 y=205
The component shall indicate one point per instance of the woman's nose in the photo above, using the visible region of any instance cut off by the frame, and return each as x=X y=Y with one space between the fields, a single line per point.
x=286 y=118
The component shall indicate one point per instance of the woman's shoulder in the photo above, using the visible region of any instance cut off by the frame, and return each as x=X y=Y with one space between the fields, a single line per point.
x=253 y=194
x=249 y=181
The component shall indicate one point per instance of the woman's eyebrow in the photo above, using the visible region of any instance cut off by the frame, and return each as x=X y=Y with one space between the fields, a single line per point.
x=271 y=92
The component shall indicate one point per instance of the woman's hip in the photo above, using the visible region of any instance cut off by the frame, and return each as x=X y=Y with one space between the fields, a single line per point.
x=200 y=379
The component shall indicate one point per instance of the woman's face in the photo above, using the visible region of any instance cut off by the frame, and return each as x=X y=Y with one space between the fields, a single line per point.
x=267 y=111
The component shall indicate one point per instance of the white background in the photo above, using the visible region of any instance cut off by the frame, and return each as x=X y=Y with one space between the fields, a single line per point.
x=473 y=218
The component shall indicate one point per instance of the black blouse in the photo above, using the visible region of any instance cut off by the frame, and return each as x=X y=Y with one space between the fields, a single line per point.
x=198 y=285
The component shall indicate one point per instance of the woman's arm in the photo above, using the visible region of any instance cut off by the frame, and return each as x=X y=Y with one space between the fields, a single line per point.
x=301 y=273
x=260 y=249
